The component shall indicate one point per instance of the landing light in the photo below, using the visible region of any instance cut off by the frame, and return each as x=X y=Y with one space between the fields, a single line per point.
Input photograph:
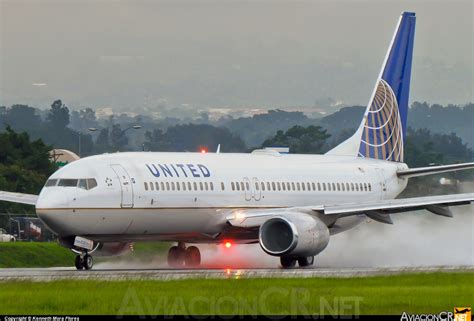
x=228 y=245
x=203 y=151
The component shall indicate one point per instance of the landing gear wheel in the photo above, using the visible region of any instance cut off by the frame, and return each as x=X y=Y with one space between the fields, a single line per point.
x=88 y=262
x=287 y=262
x=79 y=262
x=176 y=256
x=306 y=261
x=192 y=257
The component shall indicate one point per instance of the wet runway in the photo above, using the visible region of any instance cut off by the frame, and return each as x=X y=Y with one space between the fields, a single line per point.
x=69 y=273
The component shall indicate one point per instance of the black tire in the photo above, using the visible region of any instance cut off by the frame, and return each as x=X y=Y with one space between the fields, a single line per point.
x=175 y=257
x=306 y=261
x=192 y=257
x=88 y=262
x=78 y=262
x=287 y=262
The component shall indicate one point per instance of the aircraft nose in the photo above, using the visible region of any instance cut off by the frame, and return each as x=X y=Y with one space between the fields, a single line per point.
x=53 y=198
x=49 y=208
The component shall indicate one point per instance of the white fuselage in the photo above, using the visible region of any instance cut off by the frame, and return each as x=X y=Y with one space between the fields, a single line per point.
x=187 y=196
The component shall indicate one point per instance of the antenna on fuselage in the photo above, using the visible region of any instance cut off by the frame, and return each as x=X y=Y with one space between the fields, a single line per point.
x=218 y=151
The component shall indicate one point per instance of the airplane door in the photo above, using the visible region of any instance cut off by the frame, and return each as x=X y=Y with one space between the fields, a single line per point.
x=257 y=193
x=125 y=185
x=248 y=189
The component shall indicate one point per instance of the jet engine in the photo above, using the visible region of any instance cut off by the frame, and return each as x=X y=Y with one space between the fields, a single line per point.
x=293 y=234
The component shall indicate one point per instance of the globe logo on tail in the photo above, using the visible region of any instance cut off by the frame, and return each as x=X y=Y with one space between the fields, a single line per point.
x=382 y=136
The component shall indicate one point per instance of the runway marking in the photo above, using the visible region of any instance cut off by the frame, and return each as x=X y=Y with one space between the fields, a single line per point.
x=70 y=273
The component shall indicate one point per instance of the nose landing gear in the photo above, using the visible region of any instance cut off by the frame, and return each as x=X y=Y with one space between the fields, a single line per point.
x=84 y=261
x=180 y=256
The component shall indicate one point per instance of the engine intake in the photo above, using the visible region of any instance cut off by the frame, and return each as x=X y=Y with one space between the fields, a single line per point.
x=294 y=234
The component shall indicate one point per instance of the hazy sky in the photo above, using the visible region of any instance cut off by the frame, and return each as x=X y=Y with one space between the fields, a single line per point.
x=127 y=54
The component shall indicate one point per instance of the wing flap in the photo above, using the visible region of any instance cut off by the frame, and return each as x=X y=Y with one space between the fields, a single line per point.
x=434 y=204
x=22 y=198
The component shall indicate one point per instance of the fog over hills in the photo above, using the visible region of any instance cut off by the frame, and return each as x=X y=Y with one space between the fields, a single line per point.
x=157 y=56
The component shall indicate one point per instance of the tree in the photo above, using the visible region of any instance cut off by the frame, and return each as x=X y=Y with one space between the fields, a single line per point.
x=300 y=140
x=58 y=115
x=24 y=167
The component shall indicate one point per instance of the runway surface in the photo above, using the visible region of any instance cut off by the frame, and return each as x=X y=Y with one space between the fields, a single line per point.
x=68 y=273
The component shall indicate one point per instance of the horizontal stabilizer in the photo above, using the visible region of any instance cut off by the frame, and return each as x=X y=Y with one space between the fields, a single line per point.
x=431 y=170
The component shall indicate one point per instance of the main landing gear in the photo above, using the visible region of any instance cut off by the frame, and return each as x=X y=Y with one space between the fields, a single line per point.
x=84 y=261
x=290 y=261
x=182 y=256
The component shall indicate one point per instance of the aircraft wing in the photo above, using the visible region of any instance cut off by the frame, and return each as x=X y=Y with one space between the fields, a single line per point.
x=379 y=210
x=18 y=198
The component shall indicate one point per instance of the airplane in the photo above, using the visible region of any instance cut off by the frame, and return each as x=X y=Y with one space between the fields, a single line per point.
x=462 y=311
x=290 y=204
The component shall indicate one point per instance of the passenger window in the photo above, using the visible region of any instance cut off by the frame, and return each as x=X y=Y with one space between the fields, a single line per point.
x=232 y=186
x=51 y=182
x=200 y=186
x=298 y=186
x=167 y=186
x=178 y=187
x=157 y=186
x=206 y=187
x=222 y=186
x=263 y=186
x=338 y=187
x=333 y=186
x=162 y=186
x=370 y=187
x=184 y=186
x=319 y=186
x=283 y=187
x=314 y=186
x=268 y=186
x=348 y=187
x=237 y=186
x=211 y=186
x=247 y=185
x=190 y=188
x=82 y=184
x=293 y=186
x=342 y=187
x=257 y=188
x=303 y=187
x=273 y=186
x=324 y=186
x=146 y=186
x=195 y=186
x=357 y=187
x=152 y=187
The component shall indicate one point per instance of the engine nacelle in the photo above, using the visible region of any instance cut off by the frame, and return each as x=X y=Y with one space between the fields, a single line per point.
x=293 y=234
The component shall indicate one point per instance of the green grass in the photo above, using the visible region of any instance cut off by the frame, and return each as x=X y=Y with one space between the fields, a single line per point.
x=34 y=254
x=43 y=254
x=415 y=293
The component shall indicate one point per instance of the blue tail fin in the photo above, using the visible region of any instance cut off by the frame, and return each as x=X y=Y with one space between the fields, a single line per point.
x=382 y=131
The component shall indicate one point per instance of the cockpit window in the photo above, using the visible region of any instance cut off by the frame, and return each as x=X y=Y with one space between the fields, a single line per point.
x=91 y=183
x=68 y=182
x=51 y=182
x=82 y=184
